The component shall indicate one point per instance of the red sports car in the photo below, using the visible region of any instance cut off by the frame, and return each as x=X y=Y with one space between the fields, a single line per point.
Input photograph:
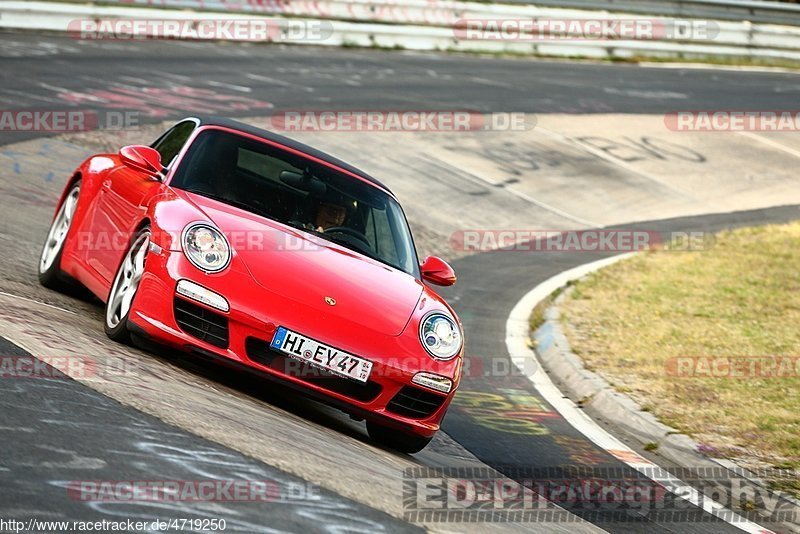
x=229 y=241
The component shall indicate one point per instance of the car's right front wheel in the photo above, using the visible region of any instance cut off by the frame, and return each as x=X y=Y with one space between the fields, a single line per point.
x=396 y=439
x=124 y=287
x=50 y=273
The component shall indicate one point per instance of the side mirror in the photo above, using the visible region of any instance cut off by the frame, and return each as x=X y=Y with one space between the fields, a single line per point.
x=437 y=271
x=142 y=159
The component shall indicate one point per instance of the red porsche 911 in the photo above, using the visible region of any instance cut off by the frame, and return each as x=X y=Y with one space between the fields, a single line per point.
x=232 y=242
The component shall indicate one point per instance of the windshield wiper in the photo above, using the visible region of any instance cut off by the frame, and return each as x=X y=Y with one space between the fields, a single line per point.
x=349 y=245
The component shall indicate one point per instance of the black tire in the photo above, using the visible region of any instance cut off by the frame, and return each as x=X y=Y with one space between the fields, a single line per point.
x=114 y=324
x=396 y=439
x=50 y=274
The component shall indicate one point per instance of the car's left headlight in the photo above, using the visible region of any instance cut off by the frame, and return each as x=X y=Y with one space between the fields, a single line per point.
x=440 y=335
x=206 y=247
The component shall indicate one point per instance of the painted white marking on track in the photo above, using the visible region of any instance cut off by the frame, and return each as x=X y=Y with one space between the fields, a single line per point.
x=138 y=82
x=711 y=66
x=475 y=178
x=53 y=87
x=654 y=95
x=771 y=143
x=628 y=167
x=37 y=302
x=172 y=75
x=233 y=87
x=491 y=83
x=280 y=83
x=517 y=336
x=275 y=81
x=24 y=95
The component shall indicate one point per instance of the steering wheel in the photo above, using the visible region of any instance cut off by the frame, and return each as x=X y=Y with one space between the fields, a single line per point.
x=349 y=231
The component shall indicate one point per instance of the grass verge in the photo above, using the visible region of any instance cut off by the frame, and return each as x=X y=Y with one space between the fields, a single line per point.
x=634 y=321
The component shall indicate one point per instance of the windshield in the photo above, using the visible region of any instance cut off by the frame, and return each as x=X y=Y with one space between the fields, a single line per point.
x=300 y=192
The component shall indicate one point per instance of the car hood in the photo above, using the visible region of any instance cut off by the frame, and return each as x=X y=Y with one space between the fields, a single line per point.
x=301 y=270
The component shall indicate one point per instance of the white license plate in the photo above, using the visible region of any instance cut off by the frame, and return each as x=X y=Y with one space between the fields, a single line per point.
x=320 y=355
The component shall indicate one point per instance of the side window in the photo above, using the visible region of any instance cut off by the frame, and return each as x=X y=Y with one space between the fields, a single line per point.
x=169 y=144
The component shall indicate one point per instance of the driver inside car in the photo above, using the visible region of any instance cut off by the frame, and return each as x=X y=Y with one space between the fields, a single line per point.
x=329 y=216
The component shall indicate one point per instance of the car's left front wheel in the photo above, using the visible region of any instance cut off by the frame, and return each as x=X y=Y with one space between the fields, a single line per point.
x=124 y=287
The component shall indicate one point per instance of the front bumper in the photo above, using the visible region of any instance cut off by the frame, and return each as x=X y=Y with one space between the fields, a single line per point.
x=389 y=397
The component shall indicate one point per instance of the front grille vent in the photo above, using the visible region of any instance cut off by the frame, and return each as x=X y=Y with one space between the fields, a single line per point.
x=202 y=323
x=415 y=402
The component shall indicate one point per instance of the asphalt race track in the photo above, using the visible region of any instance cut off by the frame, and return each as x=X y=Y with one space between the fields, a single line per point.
x=127 y=445
x=177 y=418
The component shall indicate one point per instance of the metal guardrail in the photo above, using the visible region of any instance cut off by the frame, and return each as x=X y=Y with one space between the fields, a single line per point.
x=757 y=11
x=411 y=25
x=764 y=12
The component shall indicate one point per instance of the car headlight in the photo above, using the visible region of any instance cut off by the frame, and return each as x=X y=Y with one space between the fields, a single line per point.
x=206 y=247
x=440 y=335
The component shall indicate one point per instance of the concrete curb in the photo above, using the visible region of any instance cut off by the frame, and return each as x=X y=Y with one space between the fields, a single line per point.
x=589 y=390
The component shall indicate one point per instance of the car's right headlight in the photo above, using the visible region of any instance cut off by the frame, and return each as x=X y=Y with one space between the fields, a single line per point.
x=440 y=335
x=206 y=247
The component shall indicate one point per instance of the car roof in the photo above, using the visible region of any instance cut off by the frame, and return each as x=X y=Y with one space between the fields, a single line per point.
x=287 y=142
